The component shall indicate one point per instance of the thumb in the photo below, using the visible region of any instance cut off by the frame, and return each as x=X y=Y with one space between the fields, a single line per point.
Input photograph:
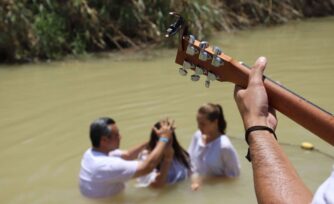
x=238 y=92
x=256 y=73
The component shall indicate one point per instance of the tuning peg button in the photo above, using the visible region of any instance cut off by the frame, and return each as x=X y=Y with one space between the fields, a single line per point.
x=191 y=39
x=216 y=60
x=203 y=45
x=211 y=76
x=207 y=83
x=216 y=50
x=199 y=71
x=191 y=50
x=183 y=72
x=203 y=55
x=188 y=65
x=195 y=77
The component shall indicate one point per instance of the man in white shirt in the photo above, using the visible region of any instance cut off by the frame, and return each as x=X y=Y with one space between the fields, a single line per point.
x=325 y=193
x=105 y=169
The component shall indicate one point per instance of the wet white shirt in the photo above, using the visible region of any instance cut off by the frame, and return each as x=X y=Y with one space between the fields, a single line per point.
x=102 y=175
x=325 y=193
x=217 y=158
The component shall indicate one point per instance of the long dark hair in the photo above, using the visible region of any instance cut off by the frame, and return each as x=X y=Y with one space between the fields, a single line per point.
x=179 y=153
x=214 y=112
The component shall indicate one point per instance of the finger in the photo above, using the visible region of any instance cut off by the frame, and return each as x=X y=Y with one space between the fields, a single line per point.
x=163 y=122
x=256 y=74
x=272 y=111
x=156 y=131
x=172 y=125
x=237 y=90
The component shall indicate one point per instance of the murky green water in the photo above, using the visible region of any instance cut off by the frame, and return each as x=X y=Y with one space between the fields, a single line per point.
x=46 y=110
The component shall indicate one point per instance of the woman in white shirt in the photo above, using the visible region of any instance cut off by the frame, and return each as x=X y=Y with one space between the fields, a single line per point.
x=211 y=151
x=174 y=166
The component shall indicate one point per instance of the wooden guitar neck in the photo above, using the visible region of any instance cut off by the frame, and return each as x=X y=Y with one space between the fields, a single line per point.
x=297 y=108
x=211 y=62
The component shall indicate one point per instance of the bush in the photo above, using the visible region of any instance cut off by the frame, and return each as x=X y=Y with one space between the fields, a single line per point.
x=50 y=29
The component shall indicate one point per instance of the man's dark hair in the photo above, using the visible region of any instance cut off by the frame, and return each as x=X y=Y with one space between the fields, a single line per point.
x=108 y=121
x=99 y=128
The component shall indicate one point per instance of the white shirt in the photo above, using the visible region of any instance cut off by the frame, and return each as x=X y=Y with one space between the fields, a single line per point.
x=325 y=193
x=217 y=158
x=102 y=175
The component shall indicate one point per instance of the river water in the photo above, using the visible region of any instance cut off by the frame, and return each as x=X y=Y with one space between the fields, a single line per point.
x=46 y=110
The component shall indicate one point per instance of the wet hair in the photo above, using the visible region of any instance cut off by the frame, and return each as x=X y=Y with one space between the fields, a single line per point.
x=98 y=129
x=179 y=153
x=214 y=112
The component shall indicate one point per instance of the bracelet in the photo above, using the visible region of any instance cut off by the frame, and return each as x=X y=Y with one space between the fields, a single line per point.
x=164 y=139
x=255 y=128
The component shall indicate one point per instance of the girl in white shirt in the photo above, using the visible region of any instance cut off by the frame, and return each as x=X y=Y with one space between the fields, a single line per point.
x=211 y=151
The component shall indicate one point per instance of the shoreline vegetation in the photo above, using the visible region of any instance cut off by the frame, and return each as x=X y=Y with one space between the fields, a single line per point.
x=32 y=30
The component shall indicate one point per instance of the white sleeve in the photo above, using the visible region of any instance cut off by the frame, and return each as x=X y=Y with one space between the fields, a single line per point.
x=191 y=151
x=119 y=170
x=325 y=193
x=231 y=161
x=116 y=153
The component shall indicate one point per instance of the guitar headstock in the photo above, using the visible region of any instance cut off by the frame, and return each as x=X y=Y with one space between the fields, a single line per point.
x=205 y=60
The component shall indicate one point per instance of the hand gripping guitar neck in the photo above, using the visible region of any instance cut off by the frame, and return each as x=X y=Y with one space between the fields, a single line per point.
x=210 y=62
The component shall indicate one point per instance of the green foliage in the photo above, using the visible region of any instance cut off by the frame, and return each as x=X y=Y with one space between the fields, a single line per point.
x=50 y=29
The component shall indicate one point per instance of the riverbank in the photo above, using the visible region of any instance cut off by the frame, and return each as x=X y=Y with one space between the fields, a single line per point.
x=41 y=30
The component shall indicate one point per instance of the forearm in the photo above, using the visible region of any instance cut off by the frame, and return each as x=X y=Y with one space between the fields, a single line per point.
x=133 y=153
x=275 y=178
x=196 y=181
x=152 y=160
x=163 y=173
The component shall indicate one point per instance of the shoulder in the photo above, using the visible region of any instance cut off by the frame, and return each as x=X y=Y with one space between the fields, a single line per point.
x=197 y=134
x=195 y=139
x=225 y=142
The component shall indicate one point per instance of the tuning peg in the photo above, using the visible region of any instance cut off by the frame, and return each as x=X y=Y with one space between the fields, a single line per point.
x=191 y=50
x=188 y=65
x=191 y=39
x=207 y=83
x=216 y=60
x=183 y=72
x=203 y=45
x=211 y=76
x=195 y=77
x=203 y=55
x=199 y=71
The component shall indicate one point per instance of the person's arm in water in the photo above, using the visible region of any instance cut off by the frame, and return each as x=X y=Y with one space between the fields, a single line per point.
x=162 y=175
x=195 y=177
x=132 y=154
x=275 y=179
x=146 y=166
x=196 y=181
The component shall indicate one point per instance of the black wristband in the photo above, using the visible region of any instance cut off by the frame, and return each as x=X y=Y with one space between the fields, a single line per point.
x=255 y=128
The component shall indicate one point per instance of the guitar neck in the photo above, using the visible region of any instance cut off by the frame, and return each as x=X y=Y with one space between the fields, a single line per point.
x=210 y=61
x=308 y=115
